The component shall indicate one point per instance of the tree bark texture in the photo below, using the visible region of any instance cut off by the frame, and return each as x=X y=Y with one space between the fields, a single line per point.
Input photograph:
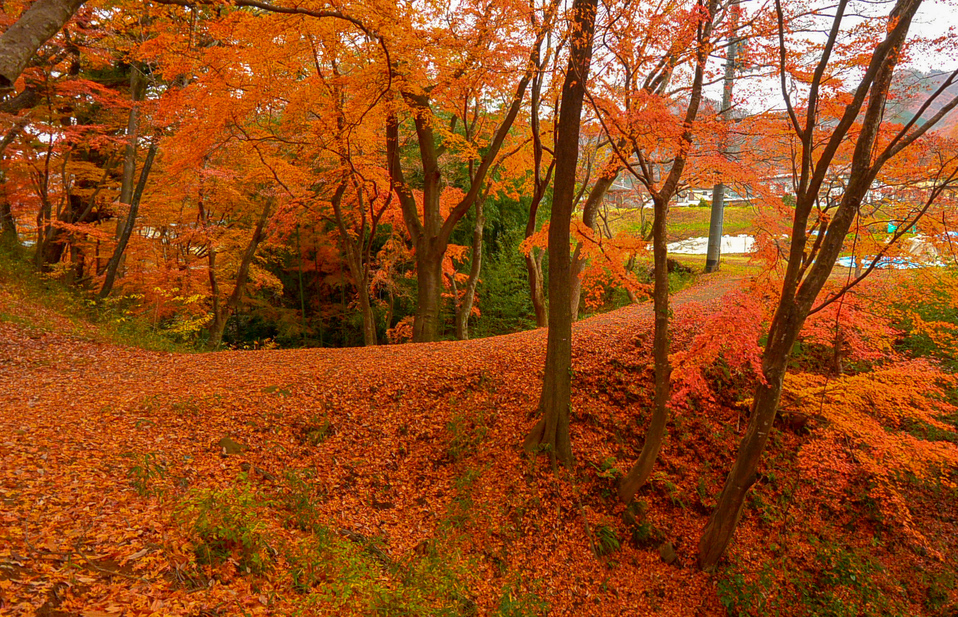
x=551 y=433
x=35 y=27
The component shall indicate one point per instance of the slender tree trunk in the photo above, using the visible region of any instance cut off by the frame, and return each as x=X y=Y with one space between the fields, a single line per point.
x=805 y=275
x=113 y=267
x=475 y=266
x=137 y=92
x=578 y=267
x=358 y=266
x=222 y=313
x=640 y=471
x=717 y=215
x=536 y=289
x=8 y=225
x=721 y=526
x=369 y=318
x=589 y=212
x=552 y=431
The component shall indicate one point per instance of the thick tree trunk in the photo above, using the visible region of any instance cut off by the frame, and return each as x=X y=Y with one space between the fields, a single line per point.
x=551 y=433
x=640 y=471
x=464 y=309
x=41 y=21
x=426 y=327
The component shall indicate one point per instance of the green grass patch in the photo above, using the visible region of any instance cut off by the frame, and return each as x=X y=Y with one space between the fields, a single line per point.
x=693 y=221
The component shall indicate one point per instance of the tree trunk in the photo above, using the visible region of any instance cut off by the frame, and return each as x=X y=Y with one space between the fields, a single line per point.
x=369 y=318
x=578 y=267
x=113 y=266
x=552 y=431
x=358 y=262
x=41 y=21
x=536 y=290
x=8 y=226
x=806 y=274
x=137 y=92
x=426 y=327
x=599 y=190
x=221 y=315
x=640 y=471
x=717 y=215
x=718 y=532
x=465 y=307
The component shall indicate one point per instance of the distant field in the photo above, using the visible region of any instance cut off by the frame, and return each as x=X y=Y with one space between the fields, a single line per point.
x=693 y=222
x=733 y=265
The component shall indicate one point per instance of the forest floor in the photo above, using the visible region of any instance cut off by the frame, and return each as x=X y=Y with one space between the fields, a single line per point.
x=391 y=481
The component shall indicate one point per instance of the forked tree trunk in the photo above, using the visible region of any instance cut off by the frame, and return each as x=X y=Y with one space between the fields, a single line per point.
x=128 y=179
x=640 y=471
x=358 y=263
x=551 y=432
x=541 y=184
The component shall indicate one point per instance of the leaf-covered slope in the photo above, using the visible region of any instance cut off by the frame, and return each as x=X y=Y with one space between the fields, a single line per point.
x=383 y=480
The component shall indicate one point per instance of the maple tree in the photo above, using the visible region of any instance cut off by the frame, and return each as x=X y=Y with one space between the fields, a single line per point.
x=431 y=231
x=313 y=161
x=857 y=124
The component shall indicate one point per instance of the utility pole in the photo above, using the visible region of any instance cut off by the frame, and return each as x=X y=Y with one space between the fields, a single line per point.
x=714 y=254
